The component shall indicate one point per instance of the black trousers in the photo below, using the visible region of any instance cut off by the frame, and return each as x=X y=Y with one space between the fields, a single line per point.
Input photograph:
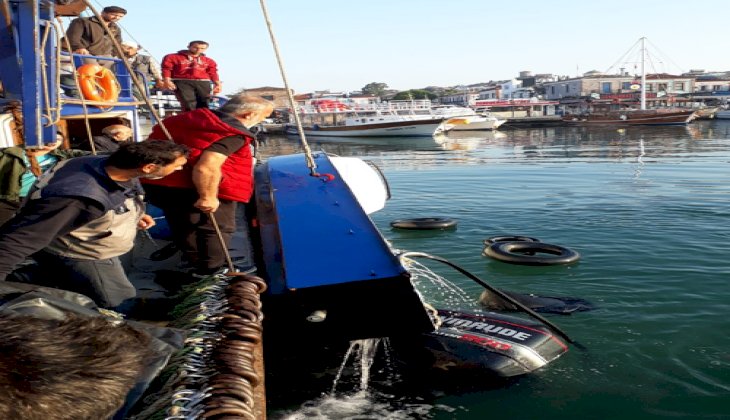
x=192 y=230
x=8 y=209
x=192 y=94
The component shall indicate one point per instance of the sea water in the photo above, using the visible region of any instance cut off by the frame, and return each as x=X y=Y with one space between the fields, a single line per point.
x=648 y=208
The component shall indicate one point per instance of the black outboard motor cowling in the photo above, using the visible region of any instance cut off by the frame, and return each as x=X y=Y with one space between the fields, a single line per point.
x=494 y=343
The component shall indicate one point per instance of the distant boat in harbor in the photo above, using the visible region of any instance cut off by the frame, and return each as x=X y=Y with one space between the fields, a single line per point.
x=633 y=117
x=465 y=119
x=331 y=118
x=518 y=113
x=723 y=114
x=643 y=116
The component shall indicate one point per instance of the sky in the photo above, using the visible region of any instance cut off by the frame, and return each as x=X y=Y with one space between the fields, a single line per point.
x=343 y=45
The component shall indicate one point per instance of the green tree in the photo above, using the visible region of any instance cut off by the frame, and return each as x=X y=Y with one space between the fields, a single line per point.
x=374 y=88
x=415 y=94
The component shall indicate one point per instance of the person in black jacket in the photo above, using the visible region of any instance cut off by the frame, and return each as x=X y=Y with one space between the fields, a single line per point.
x=112 y=136
x=82 y=215
x=87 y=35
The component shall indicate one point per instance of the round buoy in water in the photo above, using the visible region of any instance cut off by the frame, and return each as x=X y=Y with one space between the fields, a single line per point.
x=531 y=253
x=509 y=238
x=424 y=223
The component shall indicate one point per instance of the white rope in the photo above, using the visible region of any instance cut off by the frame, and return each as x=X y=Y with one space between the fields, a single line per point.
x=307 y=152
x=84 y=107
x=135 y=80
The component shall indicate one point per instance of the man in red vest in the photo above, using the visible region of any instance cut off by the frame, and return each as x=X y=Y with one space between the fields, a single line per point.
x=219 y=174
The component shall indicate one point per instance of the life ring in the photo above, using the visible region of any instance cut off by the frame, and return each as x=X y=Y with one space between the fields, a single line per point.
x=531 y=253
x=424 y=223
x=98 y=83
x=509 y=238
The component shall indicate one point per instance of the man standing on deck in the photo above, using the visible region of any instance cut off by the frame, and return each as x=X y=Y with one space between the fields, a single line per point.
x=218 y=175
x=189 y=73
x=82 y=215
x=87 y=35
x=144 y=65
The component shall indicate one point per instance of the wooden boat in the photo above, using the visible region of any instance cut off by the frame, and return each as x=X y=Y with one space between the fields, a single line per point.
x=643 y=116
x=634 y=117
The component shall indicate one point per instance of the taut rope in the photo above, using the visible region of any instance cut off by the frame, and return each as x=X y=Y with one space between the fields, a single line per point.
x=307 y=151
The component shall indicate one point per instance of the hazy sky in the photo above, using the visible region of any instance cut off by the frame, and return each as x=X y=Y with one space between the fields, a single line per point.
x=342 y=45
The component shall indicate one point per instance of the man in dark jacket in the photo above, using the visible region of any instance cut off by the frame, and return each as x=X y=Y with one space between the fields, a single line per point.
x=112 y=136
x=189 y=73
x=82 y=215
x=218 y=176
x=143 y=66
x=87 y=35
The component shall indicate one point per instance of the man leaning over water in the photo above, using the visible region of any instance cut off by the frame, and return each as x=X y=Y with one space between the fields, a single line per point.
x=81 y=216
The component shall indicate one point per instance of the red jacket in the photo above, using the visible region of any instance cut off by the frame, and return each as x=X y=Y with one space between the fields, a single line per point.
x=198 y=129
x=182 y=65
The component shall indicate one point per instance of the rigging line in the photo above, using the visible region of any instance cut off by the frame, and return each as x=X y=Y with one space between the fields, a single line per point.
x=665 y=56
x=53 y=114
x=135 y=79
x=57 y=61
x=41 y=53
x=132 y=37
x=622 y=57
x=494 y=290
x=84 y=107
x=307 y=152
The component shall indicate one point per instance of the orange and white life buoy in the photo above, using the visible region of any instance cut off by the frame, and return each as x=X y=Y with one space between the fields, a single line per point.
x=98 y=83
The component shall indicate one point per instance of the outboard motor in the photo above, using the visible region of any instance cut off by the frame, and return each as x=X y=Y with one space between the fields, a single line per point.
x=499 y=344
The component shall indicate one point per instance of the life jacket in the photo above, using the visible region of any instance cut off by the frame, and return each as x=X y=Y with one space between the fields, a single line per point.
x=198 y=129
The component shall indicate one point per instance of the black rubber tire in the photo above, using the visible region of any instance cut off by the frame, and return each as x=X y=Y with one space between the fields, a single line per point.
x=509 y=238
x=531 y=253
x=424 y=223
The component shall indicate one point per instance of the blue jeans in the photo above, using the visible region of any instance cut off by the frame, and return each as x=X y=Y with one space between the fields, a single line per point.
x=104 y=281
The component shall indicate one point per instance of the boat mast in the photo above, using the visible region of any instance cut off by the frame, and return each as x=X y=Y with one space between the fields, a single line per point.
x=643 y=74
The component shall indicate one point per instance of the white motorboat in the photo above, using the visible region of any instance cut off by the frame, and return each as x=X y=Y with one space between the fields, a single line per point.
x=465 y=119
x=330 y=118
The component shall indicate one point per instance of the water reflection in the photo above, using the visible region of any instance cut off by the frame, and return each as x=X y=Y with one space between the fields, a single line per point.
x=527 y=145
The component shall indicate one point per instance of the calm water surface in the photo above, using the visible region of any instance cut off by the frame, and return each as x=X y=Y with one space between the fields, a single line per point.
x=649 y=211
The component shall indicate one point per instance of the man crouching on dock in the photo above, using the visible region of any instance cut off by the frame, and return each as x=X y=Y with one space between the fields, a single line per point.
x=82 y=215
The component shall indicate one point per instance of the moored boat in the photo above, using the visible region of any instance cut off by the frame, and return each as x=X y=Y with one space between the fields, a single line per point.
x=723 y=114
x=633 y=117
x=465 y=119
x=336 y=119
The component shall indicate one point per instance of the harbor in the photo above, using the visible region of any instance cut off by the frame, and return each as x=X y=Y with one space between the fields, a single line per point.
x=646 y=207
x=543 y=246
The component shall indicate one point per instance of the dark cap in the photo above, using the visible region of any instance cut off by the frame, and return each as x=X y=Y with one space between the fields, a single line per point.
x=114 y=9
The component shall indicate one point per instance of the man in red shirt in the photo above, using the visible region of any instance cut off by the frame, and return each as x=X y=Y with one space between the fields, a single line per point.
x=189 y=73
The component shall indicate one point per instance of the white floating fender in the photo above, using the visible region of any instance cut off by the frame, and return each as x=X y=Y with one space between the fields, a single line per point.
x=365 y=181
